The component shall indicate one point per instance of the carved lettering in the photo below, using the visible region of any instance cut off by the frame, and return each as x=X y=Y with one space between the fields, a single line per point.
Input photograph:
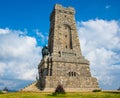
x=68 y=54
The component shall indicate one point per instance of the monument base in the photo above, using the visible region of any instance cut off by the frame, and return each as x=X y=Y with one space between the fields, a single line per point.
x=81 y=84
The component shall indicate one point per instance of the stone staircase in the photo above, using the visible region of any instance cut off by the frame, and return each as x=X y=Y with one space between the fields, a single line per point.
x=31 y=87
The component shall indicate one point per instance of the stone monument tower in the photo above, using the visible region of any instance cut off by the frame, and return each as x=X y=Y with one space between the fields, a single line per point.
x=63 y=62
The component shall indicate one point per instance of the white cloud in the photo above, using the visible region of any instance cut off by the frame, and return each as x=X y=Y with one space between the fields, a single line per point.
x=19 y=55
x=29 y=73
x=100 y=43
x=2 y=68
x=41 y=37
x=4 y=31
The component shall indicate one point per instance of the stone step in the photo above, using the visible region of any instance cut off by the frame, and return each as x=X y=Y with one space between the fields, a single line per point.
x=31 y=87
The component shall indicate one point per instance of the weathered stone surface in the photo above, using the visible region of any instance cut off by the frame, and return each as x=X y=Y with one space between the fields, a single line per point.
x=65 y=64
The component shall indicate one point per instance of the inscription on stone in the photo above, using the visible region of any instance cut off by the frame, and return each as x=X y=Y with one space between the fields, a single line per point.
x=68 y=54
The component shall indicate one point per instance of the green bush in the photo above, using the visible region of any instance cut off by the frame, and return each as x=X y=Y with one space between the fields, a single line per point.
x=59 y=90
x=97 y=90
x=1 y=92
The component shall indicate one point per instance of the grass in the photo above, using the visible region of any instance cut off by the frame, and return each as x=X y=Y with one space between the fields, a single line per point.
x=67 y=95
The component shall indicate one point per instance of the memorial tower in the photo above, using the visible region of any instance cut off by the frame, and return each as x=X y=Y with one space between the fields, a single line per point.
x=65 y=63
x=62 y=61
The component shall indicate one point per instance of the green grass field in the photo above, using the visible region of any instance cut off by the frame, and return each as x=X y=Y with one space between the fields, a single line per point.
x=67 y=95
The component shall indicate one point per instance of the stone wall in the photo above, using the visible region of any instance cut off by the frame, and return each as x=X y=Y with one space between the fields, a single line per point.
x=71 y=82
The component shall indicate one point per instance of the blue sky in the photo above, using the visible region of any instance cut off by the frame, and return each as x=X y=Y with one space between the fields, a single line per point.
x=24 y=29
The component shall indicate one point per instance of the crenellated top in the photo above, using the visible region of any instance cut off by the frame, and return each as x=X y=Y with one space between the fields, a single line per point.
x=59 y=8
x=71 y=10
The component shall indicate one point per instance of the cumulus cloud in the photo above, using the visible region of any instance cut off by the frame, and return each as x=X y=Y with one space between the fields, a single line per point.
x=100 y=44
x=19 y=55
x=4 y=31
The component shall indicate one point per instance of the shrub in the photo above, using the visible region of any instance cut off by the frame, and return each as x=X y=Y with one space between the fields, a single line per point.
x=59 y=90
x=1 y=92
x=97 y=90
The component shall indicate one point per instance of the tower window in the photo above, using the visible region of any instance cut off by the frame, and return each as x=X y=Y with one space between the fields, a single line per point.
x=66 y=46
x=69 y=73
x=65 y=35
x=72 y=74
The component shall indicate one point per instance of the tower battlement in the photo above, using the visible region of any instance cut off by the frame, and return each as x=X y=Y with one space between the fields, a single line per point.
x=64 y=9
x=61 y=9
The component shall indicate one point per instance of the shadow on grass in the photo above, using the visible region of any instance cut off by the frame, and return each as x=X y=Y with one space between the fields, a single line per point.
x=112 y=92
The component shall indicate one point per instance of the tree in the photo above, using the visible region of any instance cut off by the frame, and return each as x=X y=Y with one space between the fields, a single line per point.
x=118 y=88
x=5 y=89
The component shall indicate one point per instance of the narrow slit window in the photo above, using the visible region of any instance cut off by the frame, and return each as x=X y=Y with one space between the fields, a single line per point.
x=66 y=46
x=74 y=73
